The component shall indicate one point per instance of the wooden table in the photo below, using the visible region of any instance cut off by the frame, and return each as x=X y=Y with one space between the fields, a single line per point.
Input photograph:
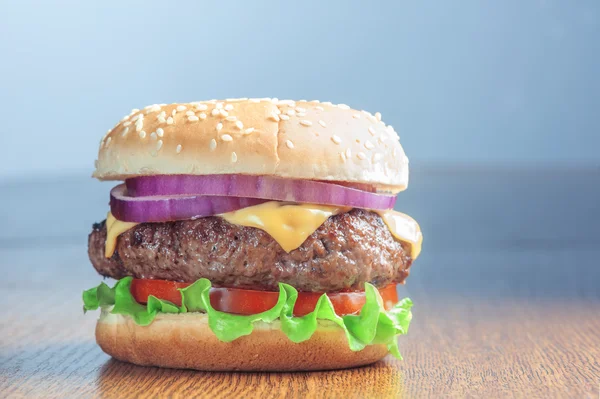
x=507 y=295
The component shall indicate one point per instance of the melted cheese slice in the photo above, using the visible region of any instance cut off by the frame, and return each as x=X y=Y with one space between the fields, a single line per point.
x=289 y=224
x=114 y=228
x=405 y=229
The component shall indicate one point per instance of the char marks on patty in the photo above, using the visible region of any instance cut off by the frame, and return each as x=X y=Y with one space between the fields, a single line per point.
x=348 y=250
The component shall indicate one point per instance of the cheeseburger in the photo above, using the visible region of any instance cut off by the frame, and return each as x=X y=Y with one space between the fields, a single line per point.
x=252 y=234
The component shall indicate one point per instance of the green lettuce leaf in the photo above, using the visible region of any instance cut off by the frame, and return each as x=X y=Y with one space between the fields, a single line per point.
x=373 y=325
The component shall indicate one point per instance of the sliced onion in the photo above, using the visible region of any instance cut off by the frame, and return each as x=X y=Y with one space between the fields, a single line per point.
x=166 y=208
x=266 y=187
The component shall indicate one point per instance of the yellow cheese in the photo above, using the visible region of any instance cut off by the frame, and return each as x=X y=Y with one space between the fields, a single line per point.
x=114 y=228
x=289 y=224
x=405 y=229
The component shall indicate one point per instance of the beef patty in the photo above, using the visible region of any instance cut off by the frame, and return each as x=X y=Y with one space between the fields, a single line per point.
x=348 y=250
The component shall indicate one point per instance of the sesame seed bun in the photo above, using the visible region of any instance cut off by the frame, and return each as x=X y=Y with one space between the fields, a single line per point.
x=289 y=139
x=186 y=341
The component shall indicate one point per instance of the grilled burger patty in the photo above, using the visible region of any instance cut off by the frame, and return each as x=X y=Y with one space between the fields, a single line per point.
x=348 y=250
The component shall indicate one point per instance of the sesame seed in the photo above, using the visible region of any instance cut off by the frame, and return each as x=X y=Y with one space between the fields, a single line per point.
x=108 y=141
x=135 y=118
x=202 y=116
x=320 y=108
x=304 y=122
x=274 y=117
x=127 y=123
x=213 y=144
x=378 y=116
x=289 y=144
x=284 y=117
x=178 y=149
x=371 y=131
x=239 y=125
x=160 y=132
x=148 y=107
x=371 y=118
x=181 y=108
x=226 y=137
x=327 y=103
x=215 y=112
x=315 y=101
x=356 y=116
x=382 y=138
x=139 y=125
x=255 y=100
x=277 y=111
x=223 y=112
x=291 y=112
x=189 y=113
x=368 y=145
x=301 y=114
x=322 y=123
x=219 y=126
x=291 y=103
x=201 y=107
x=133 y=111
x=153 y=136
x=249 y=130
x=361 y=155
x=300 y=109
x=193 y=118
x=169 y=120
x=219 y=105
x=125 y=131
x=343 y=106
x=125 y=118
x=343 y=156
x=142 y=134
x=377 y=157
x=336 y=139
x=174 y=112
x=232 y=118
x=163 y=114
x=159 y=145
x=228 y=107
x=233 y=157
x=348 y=153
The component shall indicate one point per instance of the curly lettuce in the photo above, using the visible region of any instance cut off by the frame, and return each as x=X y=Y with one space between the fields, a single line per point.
x=373 y=325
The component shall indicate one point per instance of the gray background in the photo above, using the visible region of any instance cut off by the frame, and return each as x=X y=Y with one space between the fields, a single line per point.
x=470 y=82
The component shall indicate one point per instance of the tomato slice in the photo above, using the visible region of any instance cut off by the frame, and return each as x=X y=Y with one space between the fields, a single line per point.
x=246 y=302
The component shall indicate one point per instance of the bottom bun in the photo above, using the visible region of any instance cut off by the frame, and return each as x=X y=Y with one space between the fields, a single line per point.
x=186 y=341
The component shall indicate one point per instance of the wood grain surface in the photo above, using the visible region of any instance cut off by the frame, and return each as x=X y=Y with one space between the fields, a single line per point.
x=507 y=297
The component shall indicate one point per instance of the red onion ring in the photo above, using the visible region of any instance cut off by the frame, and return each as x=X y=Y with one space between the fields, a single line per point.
x=265 y=187
x=167 y=208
